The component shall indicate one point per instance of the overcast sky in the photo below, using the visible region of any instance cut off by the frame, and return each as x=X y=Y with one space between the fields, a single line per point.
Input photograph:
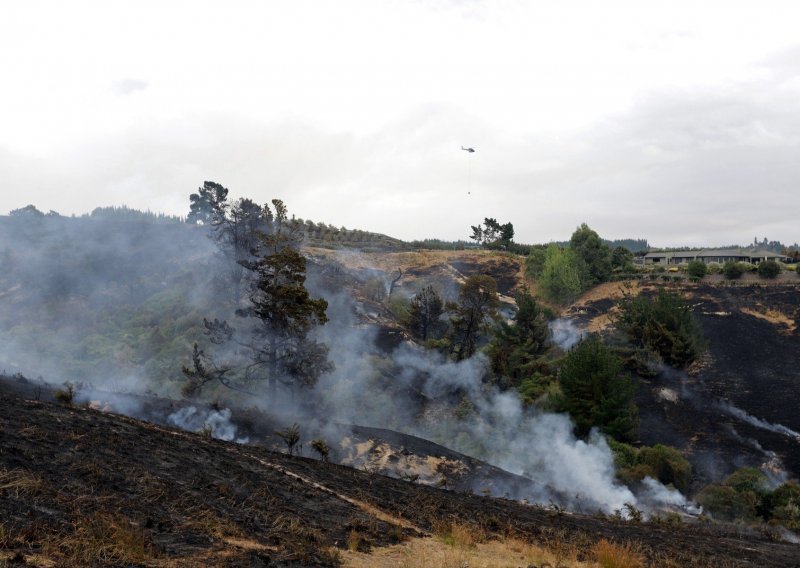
x=674 y=121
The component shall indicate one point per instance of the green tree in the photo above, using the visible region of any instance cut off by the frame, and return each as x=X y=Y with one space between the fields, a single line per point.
x=476 y=308
x=208 y=205
x=595 y=254
x=621 y=259
x=516 y=347
x=664 y=324
x=697 y=269
x=768 y=269
x=561 y=275
x=425 y=314
x=272 y=344
x=596 y=392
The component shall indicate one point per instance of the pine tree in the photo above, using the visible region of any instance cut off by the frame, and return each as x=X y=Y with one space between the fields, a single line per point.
x=596 y=392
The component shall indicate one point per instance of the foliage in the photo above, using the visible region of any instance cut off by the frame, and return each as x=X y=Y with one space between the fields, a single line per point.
x=273 y=343
x=739 y=496
x=665 y=324
x=516 y=347
x=207 y=206
x=27 y=212
x=125 y=213
x=425 y=314
x=732 y=270
x=471 y=317
x=492 y=234
x=595 y=254
x=697 y=269
x=65 y=395
x=622 y=259
x=663 y=463
x=768 y=269
x=668 y=466
x=321 y=447
x=290 y=437
x=596 y=392
x=560 y=278
x=534 y=264
x=783 y=505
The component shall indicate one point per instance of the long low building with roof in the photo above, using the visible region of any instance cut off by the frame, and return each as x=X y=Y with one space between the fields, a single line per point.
x=713 y=255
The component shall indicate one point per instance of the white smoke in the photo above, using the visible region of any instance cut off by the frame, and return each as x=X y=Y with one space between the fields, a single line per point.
x=218 y=421
x=500 y=430
x=564 y=333
x=736 y=412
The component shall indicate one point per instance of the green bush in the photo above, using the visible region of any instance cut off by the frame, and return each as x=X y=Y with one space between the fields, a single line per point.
x=669 y=466
x=768 y=269
x=727 y=504
x=733 y=270
x=783 y=505
x=697 y=269
x=714 y=268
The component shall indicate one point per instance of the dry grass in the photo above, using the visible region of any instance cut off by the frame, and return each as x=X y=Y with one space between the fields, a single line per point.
x=101 y=539
x=774 y=317
x=456 y=545
x=21 y=483
x=610 y=555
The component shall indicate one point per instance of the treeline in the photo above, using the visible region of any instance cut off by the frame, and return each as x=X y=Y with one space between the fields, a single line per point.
x=112 y=213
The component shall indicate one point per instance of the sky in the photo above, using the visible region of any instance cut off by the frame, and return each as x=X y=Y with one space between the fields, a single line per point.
x=678 y=122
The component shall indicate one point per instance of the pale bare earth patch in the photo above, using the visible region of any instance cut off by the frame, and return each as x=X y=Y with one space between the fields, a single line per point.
x=433 y=552
x=382 y=458
x=775 y=317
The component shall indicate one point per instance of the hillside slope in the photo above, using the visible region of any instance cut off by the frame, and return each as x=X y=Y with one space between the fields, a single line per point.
x=79 y=487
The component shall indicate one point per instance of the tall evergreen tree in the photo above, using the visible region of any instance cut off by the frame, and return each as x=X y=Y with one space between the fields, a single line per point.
x=476 y=308
x=273 y=342
x=516 y=347
x=596 y=392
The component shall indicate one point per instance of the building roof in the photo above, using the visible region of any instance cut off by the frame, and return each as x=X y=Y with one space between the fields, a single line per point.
x=705 y=253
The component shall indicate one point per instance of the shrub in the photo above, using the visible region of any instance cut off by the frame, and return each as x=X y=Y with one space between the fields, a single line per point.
x=726 y=503
x=321 y=447
x=290 y=437
x=732 y=270
x=768 y=269
x=714 y=268
x=669 y=466
x=783 y=505
x=65 y=395
x=697 y=269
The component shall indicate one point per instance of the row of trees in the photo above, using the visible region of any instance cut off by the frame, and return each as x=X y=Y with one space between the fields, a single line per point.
x=563 y=272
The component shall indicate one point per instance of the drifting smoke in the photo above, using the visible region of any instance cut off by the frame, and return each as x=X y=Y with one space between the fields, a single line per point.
x=163 y=272
x=564 y=333
x=217 y=421
x=732 y=410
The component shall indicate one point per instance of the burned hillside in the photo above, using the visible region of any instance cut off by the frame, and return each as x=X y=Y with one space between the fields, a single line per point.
x=77 y=482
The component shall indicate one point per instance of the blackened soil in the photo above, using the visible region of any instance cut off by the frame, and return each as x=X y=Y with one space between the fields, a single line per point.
x=200 y=501
x=751 y=364
x=505 y=271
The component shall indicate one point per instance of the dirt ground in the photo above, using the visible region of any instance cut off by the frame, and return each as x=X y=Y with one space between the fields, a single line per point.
x=154 y=496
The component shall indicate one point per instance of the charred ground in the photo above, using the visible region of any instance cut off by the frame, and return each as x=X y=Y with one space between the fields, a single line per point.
x=182 y=499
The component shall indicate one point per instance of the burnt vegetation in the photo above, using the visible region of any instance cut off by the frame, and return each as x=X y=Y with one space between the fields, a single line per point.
x=227 y=308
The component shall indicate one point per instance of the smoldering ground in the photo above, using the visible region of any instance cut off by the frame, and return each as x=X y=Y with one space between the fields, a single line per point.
x=73 y=288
